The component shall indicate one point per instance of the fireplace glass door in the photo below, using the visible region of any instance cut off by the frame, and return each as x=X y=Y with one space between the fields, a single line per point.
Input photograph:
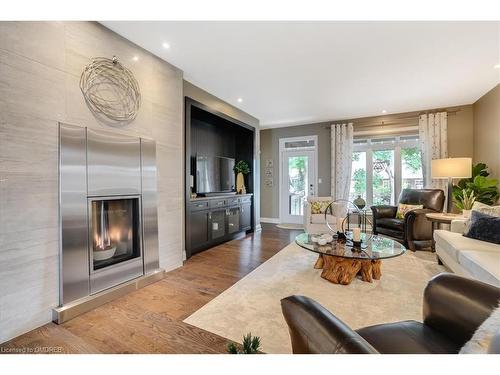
x=115 y=231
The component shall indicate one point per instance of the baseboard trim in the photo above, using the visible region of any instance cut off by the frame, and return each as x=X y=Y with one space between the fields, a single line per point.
x=270 y=220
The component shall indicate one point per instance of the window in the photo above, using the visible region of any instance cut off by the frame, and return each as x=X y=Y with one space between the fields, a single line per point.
x=382 y=167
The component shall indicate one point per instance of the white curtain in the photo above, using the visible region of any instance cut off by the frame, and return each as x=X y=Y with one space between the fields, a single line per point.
x=433 y=130
x=341 y=160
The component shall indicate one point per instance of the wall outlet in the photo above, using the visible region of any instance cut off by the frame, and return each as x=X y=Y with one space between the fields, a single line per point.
x=320 y=180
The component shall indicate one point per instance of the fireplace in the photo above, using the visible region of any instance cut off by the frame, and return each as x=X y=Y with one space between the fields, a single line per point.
x=114 y=241
x=108 y=216
x=114 y=231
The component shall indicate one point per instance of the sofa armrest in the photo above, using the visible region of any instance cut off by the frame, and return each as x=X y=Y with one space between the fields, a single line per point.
x=417 y=227
x=315 y=330
x=380 y=212
x=458 y=225
x=457 y=306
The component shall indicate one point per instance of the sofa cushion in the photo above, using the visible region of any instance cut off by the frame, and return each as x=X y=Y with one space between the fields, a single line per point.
x=391 y=223
x=453 y=243
x=407 y=337
x=482 y=265
x=320 y=219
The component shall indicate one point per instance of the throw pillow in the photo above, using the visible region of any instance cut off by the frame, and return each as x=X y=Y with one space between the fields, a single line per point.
x=319 y=207
x=485 y=209
x=404 y=208
x=483 y=227
x=481 y=340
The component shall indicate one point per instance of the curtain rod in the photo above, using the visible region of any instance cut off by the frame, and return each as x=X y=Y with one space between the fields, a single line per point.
x=390 y=120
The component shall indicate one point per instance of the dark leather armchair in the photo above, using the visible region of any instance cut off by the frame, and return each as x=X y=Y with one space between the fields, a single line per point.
x=414 y=231
x=454 y=307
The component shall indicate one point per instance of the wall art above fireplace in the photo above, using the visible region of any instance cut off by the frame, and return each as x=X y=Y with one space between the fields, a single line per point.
x=110 y=90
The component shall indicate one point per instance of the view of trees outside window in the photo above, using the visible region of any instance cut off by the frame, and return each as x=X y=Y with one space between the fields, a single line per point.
x=382 y=177
x=358 y=175
x=297 y=172
x=411 y=172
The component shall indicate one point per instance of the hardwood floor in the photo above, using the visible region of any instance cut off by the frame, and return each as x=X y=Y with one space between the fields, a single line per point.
x=149 y=320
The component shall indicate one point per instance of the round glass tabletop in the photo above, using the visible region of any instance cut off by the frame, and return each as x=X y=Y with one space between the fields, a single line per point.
x=372 y=247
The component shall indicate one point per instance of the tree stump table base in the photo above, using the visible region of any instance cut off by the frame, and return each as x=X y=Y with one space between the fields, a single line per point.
x=340 y=270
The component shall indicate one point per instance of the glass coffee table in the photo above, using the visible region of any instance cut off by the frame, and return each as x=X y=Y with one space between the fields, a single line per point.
x=341 y=261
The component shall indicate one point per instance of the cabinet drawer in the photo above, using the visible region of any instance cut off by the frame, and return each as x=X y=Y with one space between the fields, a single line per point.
x=199 y=205
x=232 y=201
x=246 y=199
x=214 y=203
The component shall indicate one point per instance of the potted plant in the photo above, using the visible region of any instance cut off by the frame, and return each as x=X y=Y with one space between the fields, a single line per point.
x=465 y=201
x=241 y=169
x=250 y=345
x=484 y=189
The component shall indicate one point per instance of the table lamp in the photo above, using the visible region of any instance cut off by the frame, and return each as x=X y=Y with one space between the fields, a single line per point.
x=451 y=168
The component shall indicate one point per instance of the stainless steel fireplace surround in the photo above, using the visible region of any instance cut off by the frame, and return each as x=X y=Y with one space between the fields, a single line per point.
x=108 y=217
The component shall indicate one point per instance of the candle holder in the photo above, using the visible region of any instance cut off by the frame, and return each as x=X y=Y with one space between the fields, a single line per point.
x=341 y=235
x=356 y=245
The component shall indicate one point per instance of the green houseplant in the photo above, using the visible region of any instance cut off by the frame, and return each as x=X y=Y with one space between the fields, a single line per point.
x=241 y=168
x=484 y=189
x=250 y=345
x=465 y=201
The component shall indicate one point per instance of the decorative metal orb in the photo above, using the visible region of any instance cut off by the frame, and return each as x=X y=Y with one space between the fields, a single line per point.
x=110 y=89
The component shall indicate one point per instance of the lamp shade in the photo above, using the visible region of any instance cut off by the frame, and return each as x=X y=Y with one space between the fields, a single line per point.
x=451 y=167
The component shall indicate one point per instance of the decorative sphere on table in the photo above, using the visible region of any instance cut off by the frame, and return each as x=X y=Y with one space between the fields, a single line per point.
x=359 y=202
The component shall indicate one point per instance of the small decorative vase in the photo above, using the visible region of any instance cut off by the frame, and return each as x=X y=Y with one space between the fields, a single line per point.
x=240 y=183
x=359 y=202
x=466 y=213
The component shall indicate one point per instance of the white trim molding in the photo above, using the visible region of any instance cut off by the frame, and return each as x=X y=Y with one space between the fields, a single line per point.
x=270 y=220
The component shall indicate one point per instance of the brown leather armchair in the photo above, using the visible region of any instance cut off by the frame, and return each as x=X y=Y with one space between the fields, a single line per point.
x=414 y=231
x=454 y=307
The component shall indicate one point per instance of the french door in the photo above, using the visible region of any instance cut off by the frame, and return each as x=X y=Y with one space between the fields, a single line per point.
x=298 y=180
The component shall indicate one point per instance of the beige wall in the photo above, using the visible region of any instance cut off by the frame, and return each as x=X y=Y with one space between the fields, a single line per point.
x=202 y=96
x=460 y=143
x=40 y=67
x=487 y=131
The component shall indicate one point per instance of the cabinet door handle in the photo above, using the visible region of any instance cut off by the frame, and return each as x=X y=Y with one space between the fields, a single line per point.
x=210 y=216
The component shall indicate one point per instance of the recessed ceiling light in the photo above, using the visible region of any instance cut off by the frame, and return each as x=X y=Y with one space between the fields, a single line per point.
x=240 y=100
x=384 y=111
x=497 y=66
x=166 y=45
x=135 y=58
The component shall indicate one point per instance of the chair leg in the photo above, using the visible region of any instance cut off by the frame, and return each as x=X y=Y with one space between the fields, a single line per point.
x=411 y=245
x=440 y=262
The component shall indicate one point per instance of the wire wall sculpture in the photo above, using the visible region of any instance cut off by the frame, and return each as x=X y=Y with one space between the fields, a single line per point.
x=110 y=89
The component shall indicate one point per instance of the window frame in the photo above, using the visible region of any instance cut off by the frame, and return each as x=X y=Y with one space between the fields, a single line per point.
x=395 y=143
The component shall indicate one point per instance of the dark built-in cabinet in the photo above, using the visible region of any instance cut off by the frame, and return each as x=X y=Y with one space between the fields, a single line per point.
x=215 y=220
x=219 y=218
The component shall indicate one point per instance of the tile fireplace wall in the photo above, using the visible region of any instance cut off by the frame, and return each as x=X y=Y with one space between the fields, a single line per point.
x=40 y=67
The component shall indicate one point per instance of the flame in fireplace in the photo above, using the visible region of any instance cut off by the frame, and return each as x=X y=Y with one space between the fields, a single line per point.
x=102 y=238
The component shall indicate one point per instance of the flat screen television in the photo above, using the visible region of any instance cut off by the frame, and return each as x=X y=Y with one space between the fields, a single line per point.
x=214 y=174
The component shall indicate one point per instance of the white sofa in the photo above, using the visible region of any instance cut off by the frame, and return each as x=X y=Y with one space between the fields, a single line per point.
x=315 y=223
x=466 y=256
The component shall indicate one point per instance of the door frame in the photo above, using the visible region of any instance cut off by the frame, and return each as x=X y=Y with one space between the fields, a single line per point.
x=282 y=142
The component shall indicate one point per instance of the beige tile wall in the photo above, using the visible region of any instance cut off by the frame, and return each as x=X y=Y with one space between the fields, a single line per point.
x=40 y=66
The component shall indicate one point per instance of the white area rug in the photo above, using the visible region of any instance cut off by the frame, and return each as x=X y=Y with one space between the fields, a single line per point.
x=253 y=303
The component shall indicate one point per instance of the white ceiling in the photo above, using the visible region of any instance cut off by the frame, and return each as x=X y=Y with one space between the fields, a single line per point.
x=300 y=72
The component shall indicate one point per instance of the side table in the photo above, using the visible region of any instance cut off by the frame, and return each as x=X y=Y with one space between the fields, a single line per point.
x=440 y=218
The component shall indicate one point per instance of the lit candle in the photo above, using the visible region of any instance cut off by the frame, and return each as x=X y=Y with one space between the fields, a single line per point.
x=356 y=234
